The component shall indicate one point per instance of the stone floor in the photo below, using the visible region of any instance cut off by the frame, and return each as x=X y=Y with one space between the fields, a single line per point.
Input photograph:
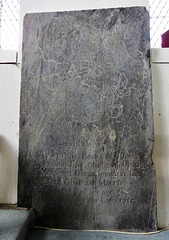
x=14 y=225
x=40 y=234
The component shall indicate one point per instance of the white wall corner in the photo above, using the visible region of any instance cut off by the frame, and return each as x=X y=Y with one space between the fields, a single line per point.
x=8 y=56
x=160 y=55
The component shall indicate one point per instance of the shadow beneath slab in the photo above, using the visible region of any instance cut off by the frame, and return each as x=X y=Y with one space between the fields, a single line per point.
x=36 y=234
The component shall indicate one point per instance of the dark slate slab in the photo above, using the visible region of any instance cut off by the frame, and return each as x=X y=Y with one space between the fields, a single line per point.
x=86 y=125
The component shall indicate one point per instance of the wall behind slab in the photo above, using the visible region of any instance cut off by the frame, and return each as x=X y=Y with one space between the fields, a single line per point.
x=9 y=131
x=9 y=105
x=10 y=89
x=160 y=73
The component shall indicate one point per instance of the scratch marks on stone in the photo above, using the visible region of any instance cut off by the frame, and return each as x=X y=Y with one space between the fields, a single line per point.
x=43 y=57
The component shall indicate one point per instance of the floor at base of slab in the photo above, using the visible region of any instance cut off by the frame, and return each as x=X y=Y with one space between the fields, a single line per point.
x=14 y=223
x=41 y=234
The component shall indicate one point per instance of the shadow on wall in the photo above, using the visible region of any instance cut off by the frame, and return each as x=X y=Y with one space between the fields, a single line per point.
x=8 y=170
x=160 y=156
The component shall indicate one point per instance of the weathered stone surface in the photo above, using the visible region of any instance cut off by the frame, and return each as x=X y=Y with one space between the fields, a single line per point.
x=86 y=125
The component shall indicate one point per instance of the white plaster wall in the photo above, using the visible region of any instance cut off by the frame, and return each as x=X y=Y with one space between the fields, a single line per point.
x=9 y=105
x=10 y=89
x=160 y=73
x=9 y=119
x=57 y=5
